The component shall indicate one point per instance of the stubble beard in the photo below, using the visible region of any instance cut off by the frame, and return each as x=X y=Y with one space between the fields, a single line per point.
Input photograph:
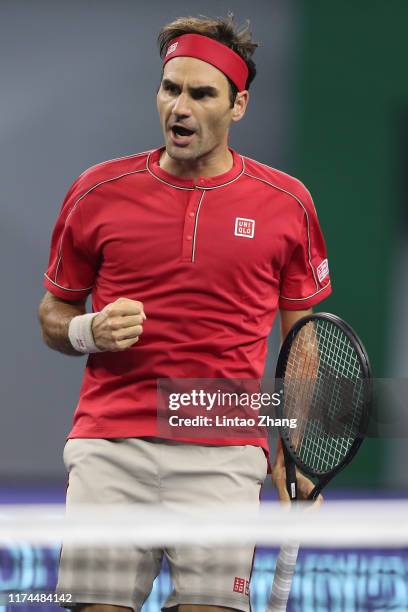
x=189 y=153
x=198 y=150
x=180 y=154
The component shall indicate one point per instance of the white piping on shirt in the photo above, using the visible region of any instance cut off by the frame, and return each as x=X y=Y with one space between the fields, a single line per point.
x=223 y=184
x=195 y=227
x=275 y=169
x=196 y=186
x=169 y=184
x=65 y=288
x=307 y=297
x=307 y=221
x=108 y=161
x=114 y=178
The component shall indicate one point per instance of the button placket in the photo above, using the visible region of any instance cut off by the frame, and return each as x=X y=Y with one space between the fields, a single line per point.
x=191 y=225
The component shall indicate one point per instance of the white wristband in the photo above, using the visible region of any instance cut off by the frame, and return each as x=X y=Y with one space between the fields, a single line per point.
x=80 y=333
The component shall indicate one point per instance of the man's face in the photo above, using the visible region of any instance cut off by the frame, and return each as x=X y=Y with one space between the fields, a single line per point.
x=194 y=108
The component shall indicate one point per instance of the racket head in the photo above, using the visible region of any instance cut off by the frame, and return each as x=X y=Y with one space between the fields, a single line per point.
x=349 y=346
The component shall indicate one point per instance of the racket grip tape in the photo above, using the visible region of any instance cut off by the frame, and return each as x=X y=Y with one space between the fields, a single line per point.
x=282 y=581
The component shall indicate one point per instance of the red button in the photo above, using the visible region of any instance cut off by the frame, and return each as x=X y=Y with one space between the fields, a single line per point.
x=189 y=237
x=191 y=214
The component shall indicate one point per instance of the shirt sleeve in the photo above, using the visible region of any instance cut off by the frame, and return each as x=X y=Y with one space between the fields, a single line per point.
x=305 y=280
x=72 y=268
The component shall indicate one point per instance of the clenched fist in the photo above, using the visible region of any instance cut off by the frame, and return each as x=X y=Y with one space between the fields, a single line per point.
x=119 y=325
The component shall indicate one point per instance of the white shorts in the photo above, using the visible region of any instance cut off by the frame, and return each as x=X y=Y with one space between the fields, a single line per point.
x=177 y=475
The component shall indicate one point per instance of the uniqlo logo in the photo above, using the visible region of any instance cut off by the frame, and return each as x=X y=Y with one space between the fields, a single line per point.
x=244 y=227
x=241 y=585
x=322 y=270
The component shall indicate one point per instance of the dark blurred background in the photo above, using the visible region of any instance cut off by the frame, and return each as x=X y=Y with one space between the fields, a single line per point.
x=329 y=105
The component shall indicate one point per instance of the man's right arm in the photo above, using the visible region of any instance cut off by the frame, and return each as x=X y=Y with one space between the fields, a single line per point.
x=116 y=328
x=55 y=315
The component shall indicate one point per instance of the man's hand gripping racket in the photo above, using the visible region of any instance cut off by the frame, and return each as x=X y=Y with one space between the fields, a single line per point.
x=323 y=373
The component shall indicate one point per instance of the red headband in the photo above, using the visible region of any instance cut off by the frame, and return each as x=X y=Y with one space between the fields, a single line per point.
x=210 y=51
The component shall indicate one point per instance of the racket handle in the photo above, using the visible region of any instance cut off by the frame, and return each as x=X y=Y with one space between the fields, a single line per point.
x=291 y=480
x=282 y=580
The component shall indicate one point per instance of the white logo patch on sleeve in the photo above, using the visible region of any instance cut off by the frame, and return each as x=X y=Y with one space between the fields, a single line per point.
x=244 y=227
x=322 y=270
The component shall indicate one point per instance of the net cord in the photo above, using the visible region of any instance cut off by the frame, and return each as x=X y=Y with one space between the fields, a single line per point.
x=334 y=524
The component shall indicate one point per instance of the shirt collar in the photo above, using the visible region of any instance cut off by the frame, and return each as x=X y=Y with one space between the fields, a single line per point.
x=209 y=182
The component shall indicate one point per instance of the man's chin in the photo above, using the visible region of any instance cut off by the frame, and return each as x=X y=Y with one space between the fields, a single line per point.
x=181 y=153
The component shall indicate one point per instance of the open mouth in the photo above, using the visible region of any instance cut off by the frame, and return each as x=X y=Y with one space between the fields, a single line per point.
x=181 y=136
x=178 y=130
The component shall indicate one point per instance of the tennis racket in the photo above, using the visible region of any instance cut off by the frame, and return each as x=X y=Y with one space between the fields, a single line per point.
x=324 y=377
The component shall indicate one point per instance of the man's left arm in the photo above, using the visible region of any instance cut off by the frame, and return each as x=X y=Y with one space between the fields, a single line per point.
x=304 y=485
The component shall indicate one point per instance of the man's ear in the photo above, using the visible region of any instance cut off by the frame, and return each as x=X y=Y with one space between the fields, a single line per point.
x=240 y=105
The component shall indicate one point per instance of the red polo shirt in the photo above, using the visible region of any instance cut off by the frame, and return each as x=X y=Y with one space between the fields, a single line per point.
x=211 y=259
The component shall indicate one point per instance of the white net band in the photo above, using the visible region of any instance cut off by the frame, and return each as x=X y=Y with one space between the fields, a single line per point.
x=339 y=524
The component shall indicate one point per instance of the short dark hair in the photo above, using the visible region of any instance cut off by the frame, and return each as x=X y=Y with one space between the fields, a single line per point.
x=221 y=29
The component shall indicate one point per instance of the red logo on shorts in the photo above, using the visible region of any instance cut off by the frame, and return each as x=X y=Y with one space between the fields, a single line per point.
x=241 y=585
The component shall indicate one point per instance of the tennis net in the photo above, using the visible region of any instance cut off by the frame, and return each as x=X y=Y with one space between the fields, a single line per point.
x=353 y=555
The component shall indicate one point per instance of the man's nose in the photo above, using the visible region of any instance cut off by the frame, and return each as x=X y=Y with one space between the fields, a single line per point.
x=181 y=106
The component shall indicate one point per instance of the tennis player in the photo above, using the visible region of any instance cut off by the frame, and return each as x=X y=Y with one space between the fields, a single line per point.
x=188 y=251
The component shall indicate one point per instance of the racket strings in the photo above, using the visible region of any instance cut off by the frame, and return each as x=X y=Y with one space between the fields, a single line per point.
x=324 y=391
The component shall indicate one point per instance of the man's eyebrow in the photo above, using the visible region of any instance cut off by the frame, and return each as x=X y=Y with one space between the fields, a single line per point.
x=201 y=89
x=169 y=83
x=204 y=89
